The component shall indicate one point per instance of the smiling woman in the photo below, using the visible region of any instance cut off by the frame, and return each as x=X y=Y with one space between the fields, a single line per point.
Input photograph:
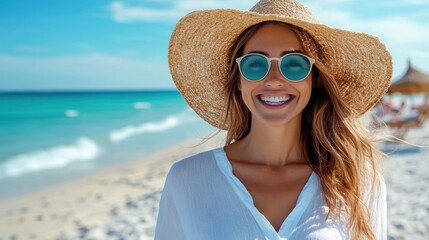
x=297 y=163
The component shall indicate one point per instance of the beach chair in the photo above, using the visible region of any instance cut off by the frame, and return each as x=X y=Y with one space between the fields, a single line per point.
x=400 y=126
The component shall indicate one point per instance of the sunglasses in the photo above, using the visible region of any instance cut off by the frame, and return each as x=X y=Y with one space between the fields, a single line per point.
x=294 y=67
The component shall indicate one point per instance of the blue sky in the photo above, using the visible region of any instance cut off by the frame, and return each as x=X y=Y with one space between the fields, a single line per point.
x=94 y=44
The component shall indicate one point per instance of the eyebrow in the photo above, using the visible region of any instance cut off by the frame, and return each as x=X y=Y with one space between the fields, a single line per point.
x=283 y=53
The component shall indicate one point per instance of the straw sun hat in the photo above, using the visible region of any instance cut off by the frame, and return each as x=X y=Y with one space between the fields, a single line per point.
x=199 y=55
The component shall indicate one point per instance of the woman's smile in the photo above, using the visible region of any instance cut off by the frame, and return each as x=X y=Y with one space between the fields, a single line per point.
x=274 y=100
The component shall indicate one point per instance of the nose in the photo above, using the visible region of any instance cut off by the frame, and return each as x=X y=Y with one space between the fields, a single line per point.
x=274 y=77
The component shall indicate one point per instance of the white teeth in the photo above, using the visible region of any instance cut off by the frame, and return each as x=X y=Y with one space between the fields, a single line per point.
x=275 y=100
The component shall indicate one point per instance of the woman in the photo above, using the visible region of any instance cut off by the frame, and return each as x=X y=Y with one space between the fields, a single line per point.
x=297 y=164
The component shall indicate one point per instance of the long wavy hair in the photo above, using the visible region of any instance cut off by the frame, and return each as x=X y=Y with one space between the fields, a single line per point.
x=335 y=143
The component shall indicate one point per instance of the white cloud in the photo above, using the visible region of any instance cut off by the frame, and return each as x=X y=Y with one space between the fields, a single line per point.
x=421 y=14
x=122 y=12
x=395 y=30
x=336 y=1
x=89 y=71
x=332 y=17
x=419 y=2
x=403 y=2
x=215 y=4
x=398 y=30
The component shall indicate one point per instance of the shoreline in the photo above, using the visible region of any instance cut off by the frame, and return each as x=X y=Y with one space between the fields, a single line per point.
x=116 y=198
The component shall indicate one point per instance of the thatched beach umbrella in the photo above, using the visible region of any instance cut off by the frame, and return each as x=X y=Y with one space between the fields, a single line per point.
x=412 y=82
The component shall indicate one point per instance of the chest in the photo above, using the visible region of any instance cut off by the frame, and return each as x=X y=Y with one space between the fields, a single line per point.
x=274 y=192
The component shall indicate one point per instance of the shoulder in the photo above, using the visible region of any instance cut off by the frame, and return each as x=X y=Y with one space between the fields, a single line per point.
x=193 y=161
x=193 y=165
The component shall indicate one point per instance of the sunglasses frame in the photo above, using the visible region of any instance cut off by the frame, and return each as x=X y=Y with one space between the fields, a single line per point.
x=279 y=60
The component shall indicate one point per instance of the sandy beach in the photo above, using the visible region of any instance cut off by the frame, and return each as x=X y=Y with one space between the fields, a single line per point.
x=122 y=202
x=116 y=203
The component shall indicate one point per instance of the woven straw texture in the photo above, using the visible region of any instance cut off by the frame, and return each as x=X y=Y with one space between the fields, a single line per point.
x=200 y=45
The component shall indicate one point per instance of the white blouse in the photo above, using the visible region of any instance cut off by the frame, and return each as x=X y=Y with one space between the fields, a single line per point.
x=203 y=200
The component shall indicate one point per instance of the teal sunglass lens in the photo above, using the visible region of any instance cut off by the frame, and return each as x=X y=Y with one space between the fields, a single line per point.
x=295 y=67
x=254 y=67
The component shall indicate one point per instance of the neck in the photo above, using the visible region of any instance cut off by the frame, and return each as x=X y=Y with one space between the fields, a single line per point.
x=273 y=145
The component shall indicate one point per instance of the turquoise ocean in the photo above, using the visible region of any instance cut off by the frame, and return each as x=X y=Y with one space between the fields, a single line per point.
x=47 y=138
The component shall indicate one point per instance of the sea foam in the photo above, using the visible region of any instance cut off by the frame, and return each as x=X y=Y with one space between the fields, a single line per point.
x=129 y=131
x=71 y=113
x=141 y=105
x=84 y=149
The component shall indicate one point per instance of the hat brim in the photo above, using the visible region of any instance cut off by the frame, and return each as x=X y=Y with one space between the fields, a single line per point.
x=199 y=54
